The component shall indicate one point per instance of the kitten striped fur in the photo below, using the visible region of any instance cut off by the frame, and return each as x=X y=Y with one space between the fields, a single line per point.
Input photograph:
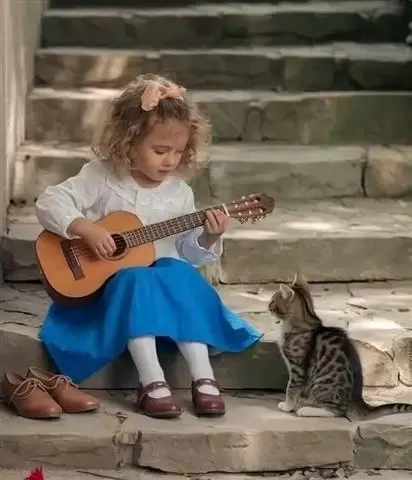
x=325 y=372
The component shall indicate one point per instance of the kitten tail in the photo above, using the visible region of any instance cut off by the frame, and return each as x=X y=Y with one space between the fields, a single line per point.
x=367 y=412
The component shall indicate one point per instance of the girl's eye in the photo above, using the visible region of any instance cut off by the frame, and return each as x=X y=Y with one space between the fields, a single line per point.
x=160 y=152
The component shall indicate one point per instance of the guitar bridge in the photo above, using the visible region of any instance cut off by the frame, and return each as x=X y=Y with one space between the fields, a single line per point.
x=72 y=259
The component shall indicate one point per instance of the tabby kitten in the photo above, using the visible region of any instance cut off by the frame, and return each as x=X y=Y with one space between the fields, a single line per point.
x=325 y=372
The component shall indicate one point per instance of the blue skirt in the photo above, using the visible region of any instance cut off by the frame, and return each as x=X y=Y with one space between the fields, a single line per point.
x=169 y=300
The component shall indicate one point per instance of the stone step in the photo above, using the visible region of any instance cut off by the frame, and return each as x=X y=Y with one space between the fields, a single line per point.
x=284 y=172
x=233 y=170
x=347 y=66
x=377 y=316
x=248 y=115
x=254 y=436
x=342 y=240
x=226 y=25
x=347 y=239
x=150 y=3
x=145 y=474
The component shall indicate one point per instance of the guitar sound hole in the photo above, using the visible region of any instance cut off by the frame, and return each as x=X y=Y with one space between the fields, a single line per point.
x=120 y=244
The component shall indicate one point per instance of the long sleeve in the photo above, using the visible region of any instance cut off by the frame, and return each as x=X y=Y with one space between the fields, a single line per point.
x=187 y=244
x=59 y=205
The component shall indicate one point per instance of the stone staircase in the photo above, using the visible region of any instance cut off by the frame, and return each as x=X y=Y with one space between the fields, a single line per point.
x=311 y=102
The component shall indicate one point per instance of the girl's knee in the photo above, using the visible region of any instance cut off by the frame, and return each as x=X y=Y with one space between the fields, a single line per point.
x=176 y=264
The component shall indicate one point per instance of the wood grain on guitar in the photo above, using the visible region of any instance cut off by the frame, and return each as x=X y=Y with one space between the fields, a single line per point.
x=73 y=275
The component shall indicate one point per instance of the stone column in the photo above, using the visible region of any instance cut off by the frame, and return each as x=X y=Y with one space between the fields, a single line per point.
x=19 y=36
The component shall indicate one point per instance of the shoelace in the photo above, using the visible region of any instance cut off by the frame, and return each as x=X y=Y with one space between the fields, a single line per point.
x=56 y=379
x=26 y=389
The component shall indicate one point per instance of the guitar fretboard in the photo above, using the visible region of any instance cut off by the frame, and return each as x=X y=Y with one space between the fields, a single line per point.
x=167 y=228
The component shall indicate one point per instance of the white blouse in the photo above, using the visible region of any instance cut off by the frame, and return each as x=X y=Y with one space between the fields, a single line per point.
x=95 y=192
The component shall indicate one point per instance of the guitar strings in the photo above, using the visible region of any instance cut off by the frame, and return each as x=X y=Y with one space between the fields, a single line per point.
x=134 y=235
x=79 y=250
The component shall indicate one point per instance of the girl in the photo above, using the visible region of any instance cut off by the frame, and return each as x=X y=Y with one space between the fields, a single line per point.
x=153 y=137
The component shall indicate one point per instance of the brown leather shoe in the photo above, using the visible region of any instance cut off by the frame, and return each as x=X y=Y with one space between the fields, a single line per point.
x=64 y=391
x=165 y=407
x=204 y=403
x=28 y=397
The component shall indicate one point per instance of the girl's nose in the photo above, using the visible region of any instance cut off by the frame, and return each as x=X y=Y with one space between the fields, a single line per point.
x=170 y=161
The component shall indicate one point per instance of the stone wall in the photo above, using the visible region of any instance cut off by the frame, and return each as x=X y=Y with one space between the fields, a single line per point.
x=19 y=30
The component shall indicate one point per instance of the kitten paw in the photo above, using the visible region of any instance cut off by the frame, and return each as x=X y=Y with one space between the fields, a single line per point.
x=285 y=407
x=314 y=412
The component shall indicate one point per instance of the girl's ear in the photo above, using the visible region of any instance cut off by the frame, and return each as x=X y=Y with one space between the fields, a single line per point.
x=286 y=292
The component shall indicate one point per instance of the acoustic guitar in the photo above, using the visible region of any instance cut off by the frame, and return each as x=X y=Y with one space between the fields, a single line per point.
x=73 y=275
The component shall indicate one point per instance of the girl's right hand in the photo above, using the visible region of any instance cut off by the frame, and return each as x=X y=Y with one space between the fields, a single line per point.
x=98 y=239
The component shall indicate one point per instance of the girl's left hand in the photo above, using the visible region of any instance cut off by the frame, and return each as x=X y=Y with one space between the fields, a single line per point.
x=215 y=225
x=216 y=222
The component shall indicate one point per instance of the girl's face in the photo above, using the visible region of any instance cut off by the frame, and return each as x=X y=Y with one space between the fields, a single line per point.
x=159 y=153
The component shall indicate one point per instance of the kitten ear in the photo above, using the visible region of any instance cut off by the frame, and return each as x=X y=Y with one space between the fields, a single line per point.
x=300 y=280
x=286 y=292
x=304 y=288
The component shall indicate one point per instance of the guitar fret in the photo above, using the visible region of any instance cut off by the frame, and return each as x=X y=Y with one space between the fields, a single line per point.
x=174 y=226
x=150 y=230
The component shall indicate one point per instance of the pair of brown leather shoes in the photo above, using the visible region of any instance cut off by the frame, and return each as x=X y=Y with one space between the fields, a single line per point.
x=42 y=395
x=169 y=407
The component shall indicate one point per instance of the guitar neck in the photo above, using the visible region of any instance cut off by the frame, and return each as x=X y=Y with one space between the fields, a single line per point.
x=167 y=228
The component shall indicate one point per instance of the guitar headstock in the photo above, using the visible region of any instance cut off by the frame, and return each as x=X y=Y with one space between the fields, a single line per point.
x=251 y=207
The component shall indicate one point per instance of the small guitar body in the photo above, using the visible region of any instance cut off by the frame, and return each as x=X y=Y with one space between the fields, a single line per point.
x=72 y=275
x=75 y=282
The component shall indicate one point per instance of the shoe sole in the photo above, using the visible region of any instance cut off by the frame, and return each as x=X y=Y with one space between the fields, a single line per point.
x=165 y=415
x=51 y=416
x=210 y=413
x=88 y=410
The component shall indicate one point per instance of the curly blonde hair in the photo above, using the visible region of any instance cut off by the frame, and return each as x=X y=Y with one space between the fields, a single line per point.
x=127 y=123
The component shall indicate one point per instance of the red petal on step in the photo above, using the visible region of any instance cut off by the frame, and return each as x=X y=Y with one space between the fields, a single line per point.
x=36 y=474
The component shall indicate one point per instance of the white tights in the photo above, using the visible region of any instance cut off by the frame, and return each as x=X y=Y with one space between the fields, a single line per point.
x=144 y=355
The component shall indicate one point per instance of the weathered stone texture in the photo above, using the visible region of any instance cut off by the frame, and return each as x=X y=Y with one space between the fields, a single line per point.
x=333 y=240
x=378 y=367
x=285 y=172
x=402 y=349
x=64 y=443
x=344 y=240
x=386 y=67
x=311 y=118
x=149 y=3
x=233 y=170
x=388 y=172
x=385 y=443
x=38 y=171
x=326 y=67
x=249 y=450
x=254 y=436
x=226 y=25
